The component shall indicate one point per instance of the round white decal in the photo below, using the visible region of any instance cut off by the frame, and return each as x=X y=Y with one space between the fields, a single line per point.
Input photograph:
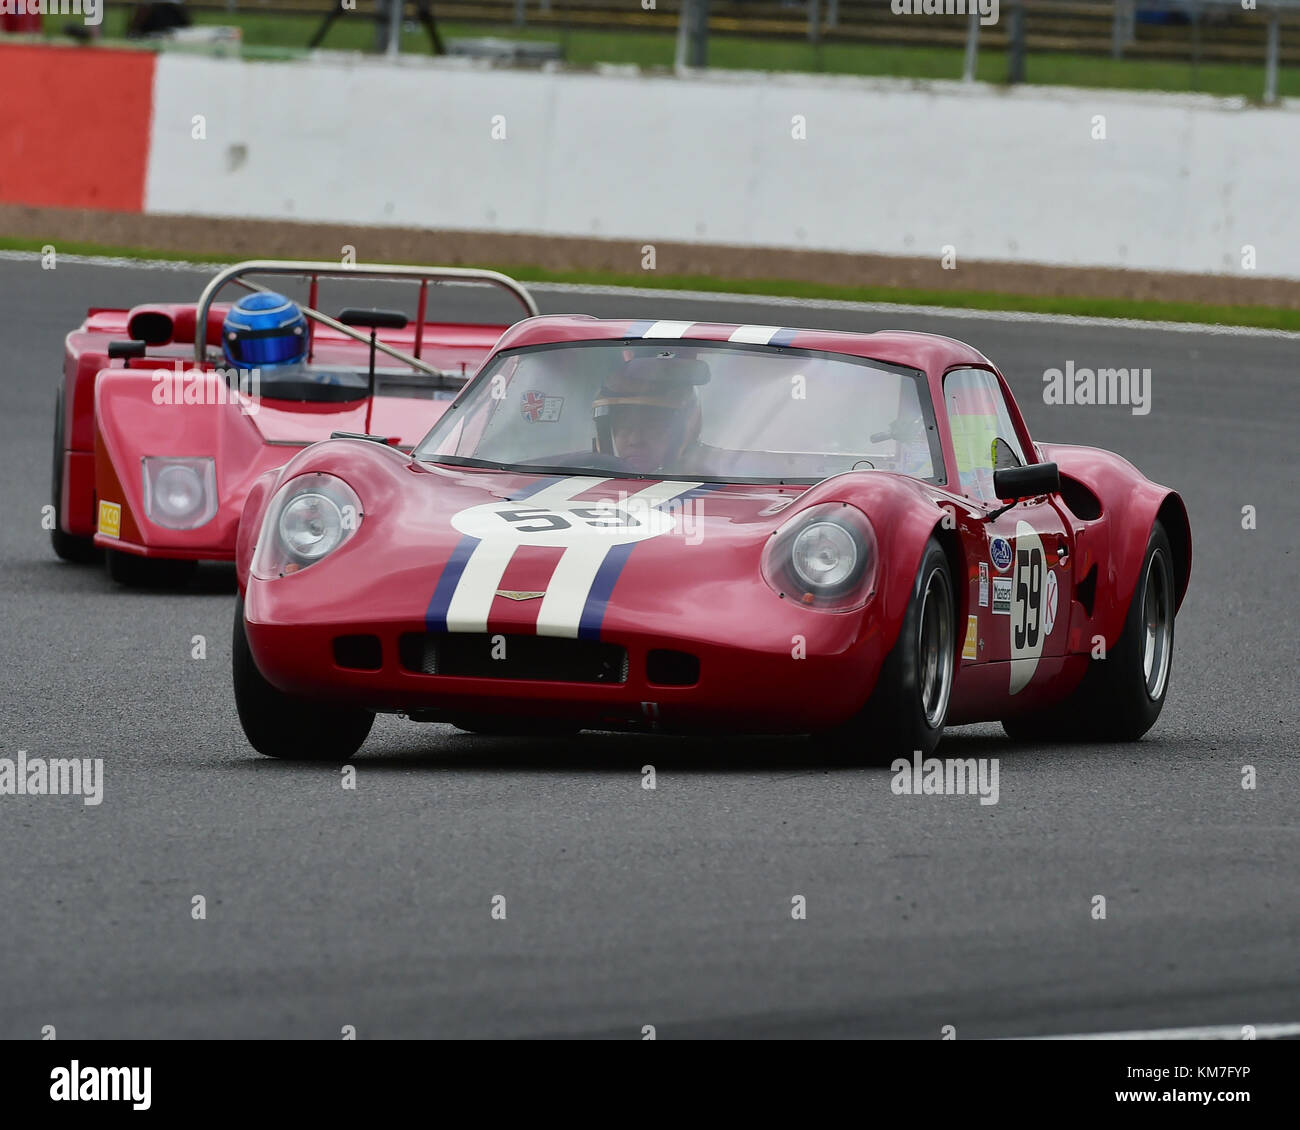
x=565 y=522
x=1049 y=603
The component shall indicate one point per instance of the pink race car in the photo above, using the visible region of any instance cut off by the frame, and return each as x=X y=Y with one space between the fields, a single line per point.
x=167 y=413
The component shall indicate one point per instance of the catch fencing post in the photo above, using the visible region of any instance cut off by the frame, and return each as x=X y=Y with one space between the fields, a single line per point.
x=972 y=46
x=1270 y=59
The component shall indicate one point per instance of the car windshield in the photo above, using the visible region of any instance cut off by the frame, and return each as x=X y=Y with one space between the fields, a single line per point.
x=711 y=411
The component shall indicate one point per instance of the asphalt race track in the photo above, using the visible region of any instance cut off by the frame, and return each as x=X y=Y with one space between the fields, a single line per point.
x=672 y=908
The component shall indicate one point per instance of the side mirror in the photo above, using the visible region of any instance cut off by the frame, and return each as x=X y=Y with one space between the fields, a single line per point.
x=374 y=319
x=1014 y=483
x=125 y=350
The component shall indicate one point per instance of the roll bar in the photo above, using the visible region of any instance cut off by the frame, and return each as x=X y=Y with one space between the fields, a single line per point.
x=316 y=270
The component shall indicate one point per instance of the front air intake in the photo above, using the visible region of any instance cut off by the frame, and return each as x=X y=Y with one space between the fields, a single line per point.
x=483 y=655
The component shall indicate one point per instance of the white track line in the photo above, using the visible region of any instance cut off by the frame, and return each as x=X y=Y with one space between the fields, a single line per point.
x=1220 y=1032
x=1004 y=316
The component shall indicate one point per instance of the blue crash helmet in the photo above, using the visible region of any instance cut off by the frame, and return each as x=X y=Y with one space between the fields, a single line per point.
x=262 y=330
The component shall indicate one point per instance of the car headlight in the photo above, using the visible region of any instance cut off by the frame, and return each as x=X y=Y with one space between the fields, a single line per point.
x=179 y=494
x=824 y=557
x=307 y=520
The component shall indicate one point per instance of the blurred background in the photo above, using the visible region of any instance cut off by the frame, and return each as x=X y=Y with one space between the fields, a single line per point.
x=1241 y=47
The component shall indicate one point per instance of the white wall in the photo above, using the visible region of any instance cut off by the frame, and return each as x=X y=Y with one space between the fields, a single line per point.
x=896 y=168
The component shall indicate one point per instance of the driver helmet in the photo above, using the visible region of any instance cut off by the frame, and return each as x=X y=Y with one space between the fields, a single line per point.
x=659 y=391
x=264 y=330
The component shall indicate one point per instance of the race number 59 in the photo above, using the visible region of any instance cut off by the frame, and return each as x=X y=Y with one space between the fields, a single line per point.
x=1029 y=597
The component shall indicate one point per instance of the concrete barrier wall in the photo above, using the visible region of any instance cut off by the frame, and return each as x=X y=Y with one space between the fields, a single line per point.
x=1178 y=183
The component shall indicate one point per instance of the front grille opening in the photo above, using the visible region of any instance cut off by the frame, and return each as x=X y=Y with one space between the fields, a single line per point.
x=359 y=653
x=495 y=655
x=672 y=668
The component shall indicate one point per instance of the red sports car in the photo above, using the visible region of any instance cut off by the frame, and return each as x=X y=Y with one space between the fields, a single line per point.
x=687 y=527
x=160 y=429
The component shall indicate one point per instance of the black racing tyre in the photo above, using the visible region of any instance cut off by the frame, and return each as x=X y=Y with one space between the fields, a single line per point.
x=138 y=572
x=69 y=547
x=280 y=725
x=909 y=705
x=1122 y=695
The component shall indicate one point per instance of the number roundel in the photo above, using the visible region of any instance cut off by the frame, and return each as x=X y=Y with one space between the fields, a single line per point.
x=564 y=523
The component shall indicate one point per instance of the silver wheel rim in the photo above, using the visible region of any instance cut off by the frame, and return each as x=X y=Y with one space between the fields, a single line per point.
x=935 y=649
x=1157 y=627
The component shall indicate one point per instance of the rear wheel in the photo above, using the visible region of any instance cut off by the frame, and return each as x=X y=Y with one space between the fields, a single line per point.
x=1122 y=695
x=70 y=547
x=138 y=572
x=280 y=725
x=909 y=705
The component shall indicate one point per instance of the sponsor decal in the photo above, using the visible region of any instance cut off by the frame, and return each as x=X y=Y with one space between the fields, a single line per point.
x=1027 y=607
x=110 y=519
x=1001 y=596
x=1049 y=603
x=972 y=636
x=1000 y=554
x=984 y=584
x=538 y=408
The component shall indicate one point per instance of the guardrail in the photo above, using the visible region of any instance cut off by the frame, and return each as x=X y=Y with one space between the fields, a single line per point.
x=1207 y=30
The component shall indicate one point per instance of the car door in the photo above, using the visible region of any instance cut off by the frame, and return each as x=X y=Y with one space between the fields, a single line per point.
x=1023 y=597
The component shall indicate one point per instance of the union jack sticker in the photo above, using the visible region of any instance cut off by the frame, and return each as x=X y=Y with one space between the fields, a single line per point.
x=540 y=408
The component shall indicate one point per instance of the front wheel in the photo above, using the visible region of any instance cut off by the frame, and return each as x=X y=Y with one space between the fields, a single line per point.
x=280 y=725
x=1122 y=695
x=70 y=547
x=909 y=705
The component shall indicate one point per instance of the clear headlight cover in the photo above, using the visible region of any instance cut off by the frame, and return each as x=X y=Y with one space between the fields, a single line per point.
x=307 y=520
x=824 y=558
x=179 y=493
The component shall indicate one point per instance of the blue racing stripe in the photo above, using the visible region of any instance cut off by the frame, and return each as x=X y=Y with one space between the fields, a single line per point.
x=783 y=337
x=638 y=329
x=602 y=588
x=435 y=619
x=532 y=488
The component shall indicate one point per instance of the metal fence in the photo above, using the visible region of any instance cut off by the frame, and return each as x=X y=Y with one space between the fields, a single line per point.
x=1192 y=31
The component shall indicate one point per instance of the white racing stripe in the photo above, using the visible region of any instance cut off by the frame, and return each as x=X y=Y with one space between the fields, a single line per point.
x=570 y=584
x=1217 y=1032
x=668 y=329
x=754 y=335
x=472 y=601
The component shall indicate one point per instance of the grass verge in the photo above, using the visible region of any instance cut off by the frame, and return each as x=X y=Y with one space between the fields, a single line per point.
x=1260 y=317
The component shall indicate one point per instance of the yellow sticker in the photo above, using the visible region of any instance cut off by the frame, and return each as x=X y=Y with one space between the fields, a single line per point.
x=972 y=637
x=110 y=519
